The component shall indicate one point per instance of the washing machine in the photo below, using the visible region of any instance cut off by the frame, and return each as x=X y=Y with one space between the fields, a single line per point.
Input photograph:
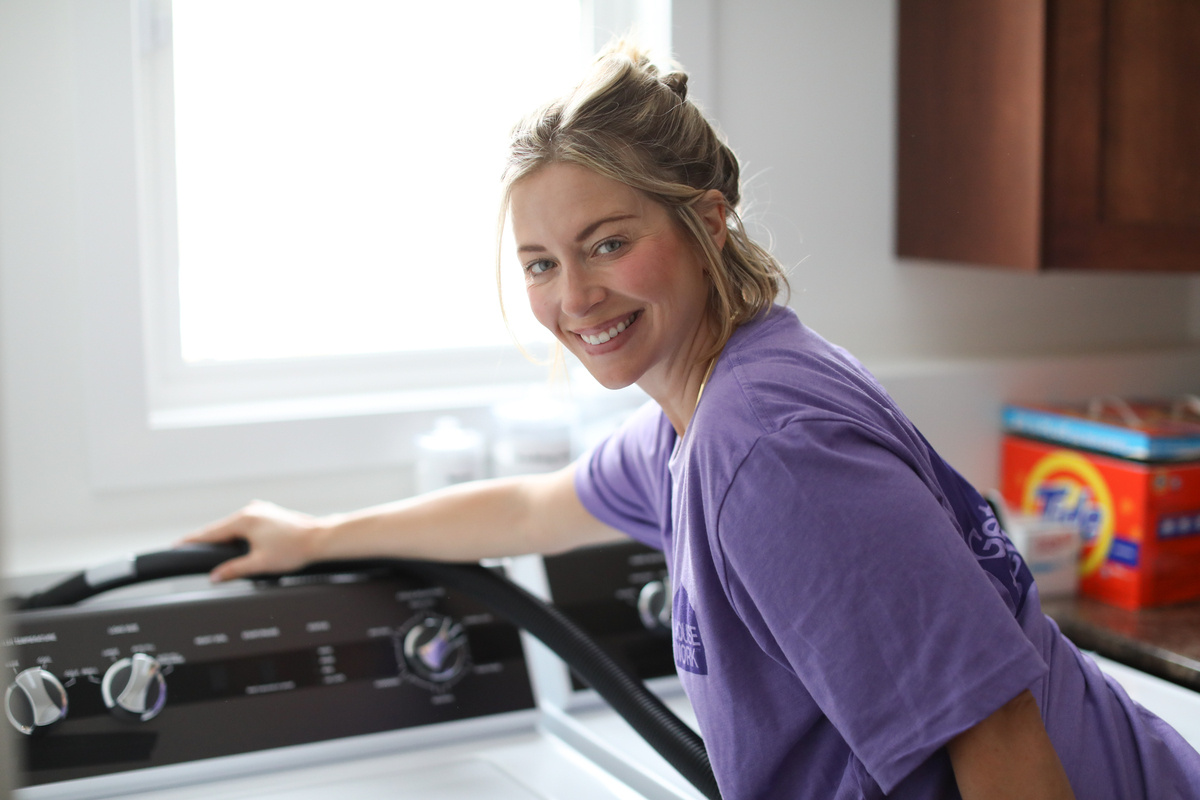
x=362 y=684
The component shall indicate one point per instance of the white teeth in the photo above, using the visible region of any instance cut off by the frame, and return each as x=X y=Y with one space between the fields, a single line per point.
x=611 y=333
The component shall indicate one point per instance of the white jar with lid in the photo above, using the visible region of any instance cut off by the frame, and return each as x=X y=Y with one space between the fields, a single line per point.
x=1049 y=549
x=532 y=435
x=449 y=454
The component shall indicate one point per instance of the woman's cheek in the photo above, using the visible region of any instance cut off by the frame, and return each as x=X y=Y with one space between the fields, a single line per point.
x=542 y=307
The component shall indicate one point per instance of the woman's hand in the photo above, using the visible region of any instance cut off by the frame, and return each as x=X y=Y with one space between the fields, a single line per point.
x=281 y=540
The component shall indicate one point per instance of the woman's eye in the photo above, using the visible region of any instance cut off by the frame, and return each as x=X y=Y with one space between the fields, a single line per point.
x=609 y=246
x=538 y=267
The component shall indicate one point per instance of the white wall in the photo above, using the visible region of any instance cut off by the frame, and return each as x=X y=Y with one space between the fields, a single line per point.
x=8 y=766
x=804 y=91
x=1194 y=313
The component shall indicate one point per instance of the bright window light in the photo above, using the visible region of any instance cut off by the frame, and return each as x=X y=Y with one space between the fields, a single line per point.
x=337 y=169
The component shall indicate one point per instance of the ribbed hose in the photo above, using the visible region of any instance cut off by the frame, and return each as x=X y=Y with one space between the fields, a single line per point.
x=676 y=742
x=192 y=559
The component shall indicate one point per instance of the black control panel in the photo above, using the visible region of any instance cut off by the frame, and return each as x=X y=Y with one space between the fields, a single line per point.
x=621 y=595
x=122 y=685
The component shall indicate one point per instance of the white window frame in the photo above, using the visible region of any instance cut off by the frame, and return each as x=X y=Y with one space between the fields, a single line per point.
x=154 y=421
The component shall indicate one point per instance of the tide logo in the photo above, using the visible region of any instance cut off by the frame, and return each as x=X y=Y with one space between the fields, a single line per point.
x=1063 y=486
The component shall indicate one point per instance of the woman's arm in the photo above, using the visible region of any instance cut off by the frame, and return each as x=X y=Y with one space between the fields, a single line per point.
x=481 y=519
x=1009 y=755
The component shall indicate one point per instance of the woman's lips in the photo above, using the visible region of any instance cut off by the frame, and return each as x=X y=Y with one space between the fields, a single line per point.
x=604 y=336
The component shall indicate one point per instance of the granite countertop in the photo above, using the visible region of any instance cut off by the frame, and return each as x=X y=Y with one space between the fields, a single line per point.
x=1161 y=641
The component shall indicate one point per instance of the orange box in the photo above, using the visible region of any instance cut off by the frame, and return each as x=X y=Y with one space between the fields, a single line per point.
x=1140 y=522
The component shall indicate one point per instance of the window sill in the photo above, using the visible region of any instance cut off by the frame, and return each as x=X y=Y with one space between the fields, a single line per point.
x=459 y=398
x=313 y=436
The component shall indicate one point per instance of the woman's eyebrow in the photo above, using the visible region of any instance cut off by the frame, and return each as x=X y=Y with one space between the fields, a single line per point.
x=590 y=229
x=583 y=234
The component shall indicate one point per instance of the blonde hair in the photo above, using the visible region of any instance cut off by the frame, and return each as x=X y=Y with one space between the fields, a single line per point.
x=628 y=123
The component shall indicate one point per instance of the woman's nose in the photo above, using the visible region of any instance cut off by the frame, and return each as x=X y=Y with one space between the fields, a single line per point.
x=581 y=293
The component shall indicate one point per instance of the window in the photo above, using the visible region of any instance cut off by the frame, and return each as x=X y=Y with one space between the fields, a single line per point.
x=326 y=181
x=188 y=255
x=336 y=169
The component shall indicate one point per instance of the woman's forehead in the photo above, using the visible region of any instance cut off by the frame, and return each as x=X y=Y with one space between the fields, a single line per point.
x=568 y=196
x=563 y=180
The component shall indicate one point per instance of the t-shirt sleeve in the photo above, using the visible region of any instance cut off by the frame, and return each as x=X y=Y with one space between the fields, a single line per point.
x=621 y=480
x=847 y=570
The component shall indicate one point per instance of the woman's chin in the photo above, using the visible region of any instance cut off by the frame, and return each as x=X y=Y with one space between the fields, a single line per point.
x=616 y=384
x=609 y=379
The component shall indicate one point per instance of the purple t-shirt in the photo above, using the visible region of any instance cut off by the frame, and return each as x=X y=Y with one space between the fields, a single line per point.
x=845 y=602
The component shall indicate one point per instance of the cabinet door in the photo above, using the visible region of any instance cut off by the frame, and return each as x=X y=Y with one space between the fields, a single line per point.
x=1123 y=135
x=970 y=84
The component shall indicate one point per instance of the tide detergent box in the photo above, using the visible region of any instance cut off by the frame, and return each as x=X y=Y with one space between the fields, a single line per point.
x=1140 y=522
x=1163 y=429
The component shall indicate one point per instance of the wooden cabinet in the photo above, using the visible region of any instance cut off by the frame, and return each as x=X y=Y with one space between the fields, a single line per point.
x=1050 y=133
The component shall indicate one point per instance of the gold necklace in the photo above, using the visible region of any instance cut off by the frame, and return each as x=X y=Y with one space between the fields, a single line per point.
x=707 y=375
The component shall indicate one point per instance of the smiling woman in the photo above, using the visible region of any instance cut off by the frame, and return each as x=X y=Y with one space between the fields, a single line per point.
x=616 y=278
x=680 y=163
x=841 y=627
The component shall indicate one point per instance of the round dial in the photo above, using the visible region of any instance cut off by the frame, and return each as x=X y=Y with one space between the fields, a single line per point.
x=134 y=688
x=35 y=700
x=434 y=650
x=654 y=606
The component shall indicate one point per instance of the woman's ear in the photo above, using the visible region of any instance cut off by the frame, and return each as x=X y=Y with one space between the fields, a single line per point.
x=712 y=208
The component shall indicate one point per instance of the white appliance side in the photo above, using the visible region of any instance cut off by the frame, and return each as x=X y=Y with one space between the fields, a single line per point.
x=1177 y=706
x=551 y=676
x=603 y=736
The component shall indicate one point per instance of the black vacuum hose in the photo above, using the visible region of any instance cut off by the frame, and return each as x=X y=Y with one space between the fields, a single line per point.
x=191 y=559
x=676 y=742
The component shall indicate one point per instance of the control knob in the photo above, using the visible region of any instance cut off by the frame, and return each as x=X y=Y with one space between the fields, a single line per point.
x=654 y=606
x=134 y=688
x=434 y=649
x=35 y=700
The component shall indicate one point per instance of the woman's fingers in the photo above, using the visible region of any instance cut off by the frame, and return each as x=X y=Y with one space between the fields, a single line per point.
x=238 y=567
x=278 y=540
x=232 y=527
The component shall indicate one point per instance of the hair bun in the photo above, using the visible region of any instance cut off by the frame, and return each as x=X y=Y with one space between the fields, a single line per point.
x=677 y=83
